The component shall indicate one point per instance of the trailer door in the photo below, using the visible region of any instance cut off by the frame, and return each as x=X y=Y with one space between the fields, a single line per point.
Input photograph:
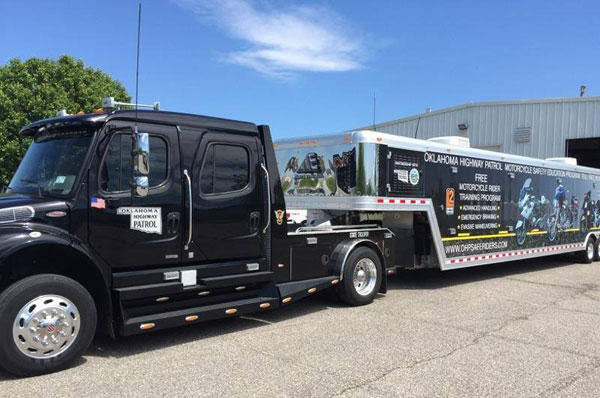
x=227 y=197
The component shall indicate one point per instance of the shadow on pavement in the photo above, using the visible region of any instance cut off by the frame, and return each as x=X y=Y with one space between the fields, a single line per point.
x=436 y=279
x=125 y=346
x=417 y=280
x=414 y=280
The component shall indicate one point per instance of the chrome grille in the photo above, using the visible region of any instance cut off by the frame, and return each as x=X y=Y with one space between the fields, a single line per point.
x=14 y=214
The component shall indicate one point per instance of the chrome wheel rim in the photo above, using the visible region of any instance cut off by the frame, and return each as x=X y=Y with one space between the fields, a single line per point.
x=46 y=326
x=364 y=276
x=590 y=251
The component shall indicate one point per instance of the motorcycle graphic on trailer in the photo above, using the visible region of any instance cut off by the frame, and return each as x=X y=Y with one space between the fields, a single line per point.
x=534 y=213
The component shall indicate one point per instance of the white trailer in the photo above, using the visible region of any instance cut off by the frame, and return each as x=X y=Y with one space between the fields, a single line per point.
x=449 y=205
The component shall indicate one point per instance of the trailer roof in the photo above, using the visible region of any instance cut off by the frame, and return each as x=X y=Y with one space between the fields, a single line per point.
x=374 y=137
x=171 y=118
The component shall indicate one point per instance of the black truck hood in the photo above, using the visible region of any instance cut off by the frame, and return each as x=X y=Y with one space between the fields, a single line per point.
x=32 y=208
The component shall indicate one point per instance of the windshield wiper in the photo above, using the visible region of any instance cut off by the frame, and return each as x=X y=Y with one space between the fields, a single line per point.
x=37 y=184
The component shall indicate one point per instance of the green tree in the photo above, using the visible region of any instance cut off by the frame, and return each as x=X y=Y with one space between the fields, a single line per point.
x=36 y=89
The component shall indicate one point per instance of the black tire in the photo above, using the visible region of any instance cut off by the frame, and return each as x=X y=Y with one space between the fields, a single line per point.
x=597 y=251
x=587 y=256
x=347 y=290
x=20 y=294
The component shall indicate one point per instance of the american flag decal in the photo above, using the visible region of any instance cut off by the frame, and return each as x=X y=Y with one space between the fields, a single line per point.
x=98 y=203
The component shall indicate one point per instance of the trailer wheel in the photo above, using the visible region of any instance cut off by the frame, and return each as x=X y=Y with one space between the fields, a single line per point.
x=587 y=256
x=362 y=277
x=597 y=255
x=48 y=321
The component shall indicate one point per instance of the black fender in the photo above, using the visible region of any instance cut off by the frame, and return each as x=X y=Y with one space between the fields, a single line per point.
x=342 y=252
x=15 y=238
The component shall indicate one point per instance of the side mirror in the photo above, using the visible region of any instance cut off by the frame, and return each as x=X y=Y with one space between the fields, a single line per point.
x=142 y=154
x=141 y=186
x=141 y=163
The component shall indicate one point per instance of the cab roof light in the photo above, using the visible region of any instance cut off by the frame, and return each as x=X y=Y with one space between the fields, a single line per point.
x=110 y=103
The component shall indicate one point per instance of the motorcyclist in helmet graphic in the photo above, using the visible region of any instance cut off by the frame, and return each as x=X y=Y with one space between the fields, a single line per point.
x=560 y=194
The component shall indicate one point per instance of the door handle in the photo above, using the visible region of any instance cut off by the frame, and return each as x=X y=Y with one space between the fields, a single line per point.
x=268 y=224
x=191 y=210
x=173 y=222
x=254 y=221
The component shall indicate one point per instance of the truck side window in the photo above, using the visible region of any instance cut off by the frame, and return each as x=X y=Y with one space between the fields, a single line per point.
x=226 y=168
x=115 y=173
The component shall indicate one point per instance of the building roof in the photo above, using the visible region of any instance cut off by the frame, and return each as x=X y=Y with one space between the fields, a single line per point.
x=486 y=103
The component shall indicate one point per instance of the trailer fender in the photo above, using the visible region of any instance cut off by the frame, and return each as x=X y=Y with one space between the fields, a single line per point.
x=342 y=252
x=590 y=235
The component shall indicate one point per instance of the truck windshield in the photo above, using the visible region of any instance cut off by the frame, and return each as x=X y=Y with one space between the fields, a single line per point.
x=52 y=163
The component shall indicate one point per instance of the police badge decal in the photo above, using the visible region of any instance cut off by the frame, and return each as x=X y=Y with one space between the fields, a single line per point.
x=279 y=217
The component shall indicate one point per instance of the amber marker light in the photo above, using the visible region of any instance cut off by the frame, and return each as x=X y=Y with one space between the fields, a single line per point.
x=191 y=318
x=147 y=326
x=286 y=300
x=265 y=305
x=231 y=311
x=312 y=290
x=56 y=214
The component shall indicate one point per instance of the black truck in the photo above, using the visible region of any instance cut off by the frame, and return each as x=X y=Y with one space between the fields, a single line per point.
x=124 y=222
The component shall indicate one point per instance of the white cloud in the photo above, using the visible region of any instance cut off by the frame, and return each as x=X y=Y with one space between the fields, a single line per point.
x=281 y=42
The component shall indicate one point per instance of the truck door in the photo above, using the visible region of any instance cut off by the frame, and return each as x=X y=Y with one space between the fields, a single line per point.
x=227 y=196
x=155 y=238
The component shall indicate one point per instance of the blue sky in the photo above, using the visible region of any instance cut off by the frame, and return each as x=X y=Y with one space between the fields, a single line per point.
x=307 y=67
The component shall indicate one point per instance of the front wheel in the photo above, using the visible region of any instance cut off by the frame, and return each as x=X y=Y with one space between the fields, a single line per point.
x=48 y=322
x=362 y=277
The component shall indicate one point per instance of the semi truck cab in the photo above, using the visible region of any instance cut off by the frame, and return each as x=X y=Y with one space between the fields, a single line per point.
x=124 y=222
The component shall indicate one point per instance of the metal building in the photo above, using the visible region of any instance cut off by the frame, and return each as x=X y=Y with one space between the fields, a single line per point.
x=541 y=128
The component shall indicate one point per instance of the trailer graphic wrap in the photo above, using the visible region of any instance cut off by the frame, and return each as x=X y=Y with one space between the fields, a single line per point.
x=485 y=206
x=340 y=170
x=483 y=202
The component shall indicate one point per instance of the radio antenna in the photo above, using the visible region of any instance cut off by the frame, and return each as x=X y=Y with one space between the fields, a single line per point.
x=374 y=107
x=137 y=66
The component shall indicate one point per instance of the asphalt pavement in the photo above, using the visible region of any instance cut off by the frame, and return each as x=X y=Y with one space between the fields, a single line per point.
x=526 y=329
